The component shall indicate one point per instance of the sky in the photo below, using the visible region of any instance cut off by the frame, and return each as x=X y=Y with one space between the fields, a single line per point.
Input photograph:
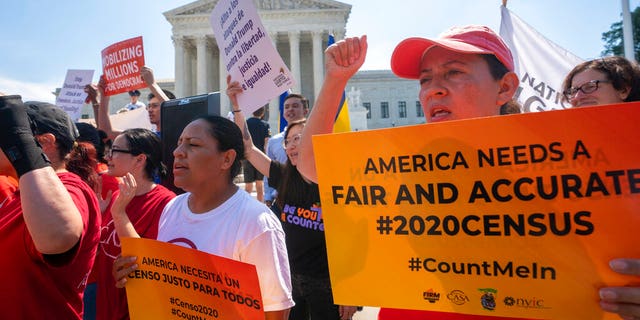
x=41 y=39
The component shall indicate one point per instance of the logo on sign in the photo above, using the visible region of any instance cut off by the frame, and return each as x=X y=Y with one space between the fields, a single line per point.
x=488 y=298
x=458 y=297
x=431 y=296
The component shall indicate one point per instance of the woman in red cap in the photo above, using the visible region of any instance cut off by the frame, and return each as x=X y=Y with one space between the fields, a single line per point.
x=467 y=72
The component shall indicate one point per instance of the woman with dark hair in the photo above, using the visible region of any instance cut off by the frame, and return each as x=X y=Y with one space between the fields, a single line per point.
x=214 y=215
x=305 y=236
x=599 y=81
x=136 y=157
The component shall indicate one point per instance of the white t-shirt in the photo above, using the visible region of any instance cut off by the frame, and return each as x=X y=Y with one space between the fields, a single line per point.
x=242 y=229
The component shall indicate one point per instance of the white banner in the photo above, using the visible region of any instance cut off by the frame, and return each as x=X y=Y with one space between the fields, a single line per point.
x=136 y=118
x=540 y=64
x=249 y=54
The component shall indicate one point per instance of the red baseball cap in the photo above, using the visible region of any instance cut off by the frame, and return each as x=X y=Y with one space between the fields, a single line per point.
x=407 y=56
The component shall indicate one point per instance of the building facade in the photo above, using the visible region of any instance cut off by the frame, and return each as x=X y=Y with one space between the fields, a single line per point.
x=299 y=30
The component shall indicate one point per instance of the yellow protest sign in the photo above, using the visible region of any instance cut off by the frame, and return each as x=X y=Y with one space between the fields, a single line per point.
x=174 y=282
x=505 y=216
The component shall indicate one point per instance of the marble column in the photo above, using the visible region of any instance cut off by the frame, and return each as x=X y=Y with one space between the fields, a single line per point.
x=178 y=43
x=294 y=47
x=201 y=69
x=212 y=67
x=225 y=106
x=188 y=71
x=318 y=72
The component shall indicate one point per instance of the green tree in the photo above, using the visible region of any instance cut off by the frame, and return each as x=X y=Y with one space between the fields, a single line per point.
x=613 y=39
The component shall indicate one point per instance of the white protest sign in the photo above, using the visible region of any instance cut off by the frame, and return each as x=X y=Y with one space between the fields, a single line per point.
x=249 y=54
x=72 y=95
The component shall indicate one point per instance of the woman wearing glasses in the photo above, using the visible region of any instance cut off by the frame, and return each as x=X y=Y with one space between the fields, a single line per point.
x=136 y=157
x=600 y=81
x=301 y=217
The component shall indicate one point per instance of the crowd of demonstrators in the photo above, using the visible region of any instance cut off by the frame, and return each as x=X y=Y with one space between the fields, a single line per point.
x=306 y=243
x=136 y=158
x=465 y=73
x=260 y=133
x=600 y=81
x=51 y=225
x=295 y=108
x=214 y=215
x=50 y=216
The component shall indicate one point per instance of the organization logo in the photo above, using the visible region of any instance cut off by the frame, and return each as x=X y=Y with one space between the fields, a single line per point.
x=431 y=296
x=488 y=298
x=529 y=303
x=457 y=297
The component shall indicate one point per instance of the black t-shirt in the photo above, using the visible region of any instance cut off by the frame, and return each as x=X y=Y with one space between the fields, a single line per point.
x=303 y=225
x=259 y=130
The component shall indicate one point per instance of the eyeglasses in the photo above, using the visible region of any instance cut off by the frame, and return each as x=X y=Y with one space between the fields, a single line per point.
x=112 y=150
x=292 y=141
x=153 y=106
x=587 y=87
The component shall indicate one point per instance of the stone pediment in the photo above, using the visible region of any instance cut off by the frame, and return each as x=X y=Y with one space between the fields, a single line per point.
x=201 y=7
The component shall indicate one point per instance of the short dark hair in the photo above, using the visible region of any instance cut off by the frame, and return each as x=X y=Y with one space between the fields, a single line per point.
x=498 y=70
x=305 y=101
x=169 y=94
x=145 y=141
x=622 y=73
x=228 y=135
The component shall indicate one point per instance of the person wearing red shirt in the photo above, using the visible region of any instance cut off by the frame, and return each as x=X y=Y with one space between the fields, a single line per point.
x=136 y=157
x=51 y=227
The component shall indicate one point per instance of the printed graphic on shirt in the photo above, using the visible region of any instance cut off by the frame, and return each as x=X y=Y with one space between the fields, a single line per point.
x=309 y=218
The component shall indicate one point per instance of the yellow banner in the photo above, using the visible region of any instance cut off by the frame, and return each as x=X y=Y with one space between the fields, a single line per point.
x=174 y=282
x=504 y=216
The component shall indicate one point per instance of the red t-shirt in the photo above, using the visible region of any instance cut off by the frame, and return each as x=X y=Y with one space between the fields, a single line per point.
x=144 y=212
x=51 y=287
x=402 y=314
x=8 y=186
x=109 y=183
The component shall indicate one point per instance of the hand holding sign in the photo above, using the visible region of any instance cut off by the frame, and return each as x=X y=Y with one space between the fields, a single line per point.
x=622 y=300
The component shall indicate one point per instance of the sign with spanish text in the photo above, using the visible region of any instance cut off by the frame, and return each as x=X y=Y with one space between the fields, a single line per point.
x=249 y=54
x=513 y=216
x=71 y=97
x=121 y=64
x=174 y=282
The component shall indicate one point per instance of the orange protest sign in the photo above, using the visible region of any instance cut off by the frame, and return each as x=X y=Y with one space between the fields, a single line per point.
x=121 y=64
x=176 y=282
x=504 y=216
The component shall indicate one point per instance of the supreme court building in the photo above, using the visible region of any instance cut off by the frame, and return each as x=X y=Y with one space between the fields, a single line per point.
x=299 y=30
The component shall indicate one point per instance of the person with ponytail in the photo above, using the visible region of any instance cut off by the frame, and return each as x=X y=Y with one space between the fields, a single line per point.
x=136 y=157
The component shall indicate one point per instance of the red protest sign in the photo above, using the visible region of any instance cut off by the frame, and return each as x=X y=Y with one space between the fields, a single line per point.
x=121 y=63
